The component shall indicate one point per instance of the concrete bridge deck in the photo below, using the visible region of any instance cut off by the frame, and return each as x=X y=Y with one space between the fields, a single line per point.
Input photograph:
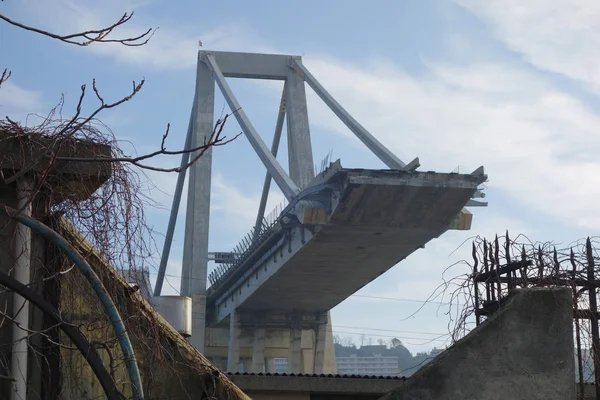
x=361 y=224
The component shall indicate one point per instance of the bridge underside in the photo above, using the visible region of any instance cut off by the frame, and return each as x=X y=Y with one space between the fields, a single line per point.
x=381 y=217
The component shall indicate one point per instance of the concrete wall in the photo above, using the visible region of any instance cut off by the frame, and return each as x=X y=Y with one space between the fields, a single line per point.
x=313 y=387
x=524 y=351
x=589 y=391
x=170 y=367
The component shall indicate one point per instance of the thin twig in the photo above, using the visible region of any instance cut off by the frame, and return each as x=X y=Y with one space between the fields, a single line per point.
x=88 y=37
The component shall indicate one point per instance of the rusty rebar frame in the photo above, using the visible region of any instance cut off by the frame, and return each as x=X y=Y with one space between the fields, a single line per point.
x=499 y=280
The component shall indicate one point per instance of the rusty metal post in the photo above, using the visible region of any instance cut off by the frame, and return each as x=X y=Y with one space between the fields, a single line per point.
x=524 y=270
x=593 y=315
x=556 y=264
x=580 y=396
x=476 y=284
x=497 y=262
x=541 y=264
x=512 y=275
x=488 y=288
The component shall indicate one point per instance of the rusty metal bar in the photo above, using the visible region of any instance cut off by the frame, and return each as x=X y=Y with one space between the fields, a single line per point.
x=556 y=262
x=501 y=270
x=497 y=263
x=594 y=316
x=476 y=284
x=540 y=262
x=488 y=289
x=577 y=329
x=548 y=280
x=510 y=274
x=524 y=270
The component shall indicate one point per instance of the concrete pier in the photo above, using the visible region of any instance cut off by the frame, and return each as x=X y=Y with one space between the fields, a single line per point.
x=195 y=251
x=256 y=346
x=522 y=352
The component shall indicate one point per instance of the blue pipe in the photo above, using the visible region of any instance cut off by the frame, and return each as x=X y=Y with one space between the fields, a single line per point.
x=87 y=271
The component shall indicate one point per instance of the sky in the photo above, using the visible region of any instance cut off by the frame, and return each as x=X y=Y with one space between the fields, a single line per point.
x=513 y=86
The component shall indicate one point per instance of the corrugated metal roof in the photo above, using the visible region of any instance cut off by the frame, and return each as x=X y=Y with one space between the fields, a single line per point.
x=331 y=376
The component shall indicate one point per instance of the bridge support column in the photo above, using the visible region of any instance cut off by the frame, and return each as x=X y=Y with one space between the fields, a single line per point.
x=320 y=344
x=295 y=353
x=195 y=248
x=233 y=351
x=258 y=351
x=299 y=145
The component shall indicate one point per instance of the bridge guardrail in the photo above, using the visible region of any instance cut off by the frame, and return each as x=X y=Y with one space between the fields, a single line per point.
x=246 y=246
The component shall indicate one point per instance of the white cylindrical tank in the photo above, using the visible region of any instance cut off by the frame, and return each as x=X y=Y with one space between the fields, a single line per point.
x=177 y=310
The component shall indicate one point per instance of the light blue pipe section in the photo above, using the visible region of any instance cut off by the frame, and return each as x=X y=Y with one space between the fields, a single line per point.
x=87 y=271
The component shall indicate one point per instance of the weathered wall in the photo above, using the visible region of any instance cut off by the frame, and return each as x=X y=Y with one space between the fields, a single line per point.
x=170 y=367
x=7 y=227
x=524 y=351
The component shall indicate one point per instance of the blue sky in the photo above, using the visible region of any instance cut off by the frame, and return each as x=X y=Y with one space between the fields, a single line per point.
x=509 y=85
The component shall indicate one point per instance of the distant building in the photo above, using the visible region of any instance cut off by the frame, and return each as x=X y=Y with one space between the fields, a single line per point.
x=368 y=365
x=280 y=365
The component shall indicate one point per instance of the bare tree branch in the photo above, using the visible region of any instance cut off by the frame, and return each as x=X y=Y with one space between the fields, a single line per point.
x=88 y=37
x=4 y=77
x=111 y=219
x=214 y=140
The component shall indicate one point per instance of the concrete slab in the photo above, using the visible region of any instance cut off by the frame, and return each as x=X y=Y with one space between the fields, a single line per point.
x=382 y=217
x=75 y=180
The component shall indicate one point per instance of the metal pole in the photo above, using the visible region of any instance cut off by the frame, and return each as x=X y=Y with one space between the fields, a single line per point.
x=593 y=316
x=97 y=286
x=267 y=184
x=580 y=396
x=22 y=273
x=185 y=159
x=476 y=283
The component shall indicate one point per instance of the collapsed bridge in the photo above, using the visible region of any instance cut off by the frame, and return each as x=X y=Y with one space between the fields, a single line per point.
x=341 y=229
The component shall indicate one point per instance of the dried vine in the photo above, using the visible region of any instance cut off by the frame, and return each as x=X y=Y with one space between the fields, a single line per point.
x=95 y=197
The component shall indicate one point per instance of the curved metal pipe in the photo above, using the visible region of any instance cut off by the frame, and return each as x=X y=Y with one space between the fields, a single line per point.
x=90 y=354
x=87 y=271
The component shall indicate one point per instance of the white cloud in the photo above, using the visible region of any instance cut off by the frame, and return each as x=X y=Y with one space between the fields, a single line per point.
x=239 y=208
x=538 y=144
x=173 y=46
x=14 y=98
x=560 y=36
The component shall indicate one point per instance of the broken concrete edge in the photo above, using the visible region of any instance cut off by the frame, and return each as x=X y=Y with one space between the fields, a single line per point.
x=463 y=220
x=110 y=276
x=335 y=169
x=34 y=153
x=511 y=300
